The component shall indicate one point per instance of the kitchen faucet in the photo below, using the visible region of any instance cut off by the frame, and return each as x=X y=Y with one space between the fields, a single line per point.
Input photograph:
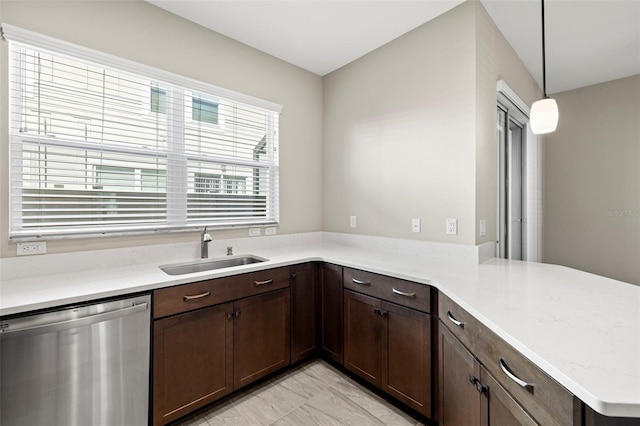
x=205 y=239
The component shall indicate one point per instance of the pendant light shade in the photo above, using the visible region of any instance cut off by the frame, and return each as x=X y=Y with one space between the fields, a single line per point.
x=544 y=116
x=544 y=113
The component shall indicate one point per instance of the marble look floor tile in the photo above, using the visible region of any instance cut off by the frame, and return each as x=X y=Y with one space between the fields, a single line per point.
x=323 y=372
x=302 y=384
x=267 y=404
x=307 y=415
x=311 y=394
x=228 y=415
x=336 y=406
x=374 y=404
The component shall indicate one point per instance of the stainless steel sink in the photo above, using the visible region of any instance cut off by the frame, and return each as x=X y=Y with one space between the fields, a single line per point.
x=210 y=265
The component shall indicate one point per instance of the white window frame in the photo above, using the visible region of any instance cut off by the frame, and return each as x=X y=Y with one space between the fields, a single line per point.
x=176 y=157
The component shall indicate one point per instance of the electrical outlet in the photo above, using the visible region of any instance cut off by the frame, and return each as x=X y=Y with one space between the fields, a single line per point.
x=483 y=227
x=27 y=249
x=415 y=224
x=452 y=226
x=254 y=232
x=270 y=231
x=352 y=222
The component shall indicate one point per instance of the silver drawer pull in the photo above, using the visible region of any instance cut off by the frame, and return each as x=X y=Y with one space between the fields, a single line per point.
x=520 y=382
x=196 y=296
x=261 y=283
x=402 y=293
x=360 y=282
x=455 y=321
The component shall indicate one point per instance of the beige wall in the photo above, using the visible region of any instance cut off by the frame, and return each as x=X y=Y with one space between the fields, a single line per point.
x=399 y=135
x=592 y=174
x=141 y=32
x=409 y=130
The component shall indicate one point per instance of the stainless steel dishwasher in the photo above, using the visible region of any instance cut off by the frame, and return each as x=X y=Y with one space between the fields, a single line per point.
x=86 y=365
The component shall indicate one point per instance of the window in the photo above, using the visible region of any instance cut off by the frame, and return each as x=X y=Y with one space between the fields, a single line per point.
x=204 y=110
x=101 y=145
x=158 y=99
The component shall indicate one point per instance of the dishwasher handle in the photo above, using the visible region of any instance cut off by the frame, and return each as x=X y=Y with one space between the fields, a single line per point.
x=7 y=333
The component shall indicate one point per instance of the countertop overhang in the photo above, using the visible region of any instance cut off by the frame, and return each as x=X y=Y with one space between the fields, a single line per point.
x=581 y=329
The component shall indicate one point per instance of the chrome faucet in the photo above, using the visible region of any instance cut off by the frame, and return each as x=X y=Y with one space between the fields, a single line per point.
x=205 y=239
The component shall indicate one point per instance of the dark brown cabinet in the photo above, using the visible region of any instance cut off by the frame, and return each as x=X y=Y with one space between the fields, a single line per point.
x=304 y=311
x=261 y=336
x=213 y=337
x=406 y=373
x=389 y=346
x=459 y=399
x=469 y=395
x=363 y=333
x=331 y=322
x=192 y=361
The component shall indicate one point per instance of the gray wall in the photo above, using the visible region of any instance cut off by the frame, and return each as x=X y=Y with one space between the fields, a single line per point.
x=409 y=130
x=141 y=32
x=592 y=176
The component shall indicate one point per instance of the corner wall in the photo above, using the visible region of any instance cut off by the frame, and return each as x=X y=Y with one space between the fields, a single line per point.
x=410 y=131
x=399 y=135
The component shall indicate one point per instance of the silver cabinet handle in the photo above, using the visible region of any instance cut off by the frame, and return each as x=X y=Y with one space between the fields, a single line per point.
x=261 y=283
x=360 y=282
x=520 y=382
x=402 y=293
x=455 y=321
x=196 y=296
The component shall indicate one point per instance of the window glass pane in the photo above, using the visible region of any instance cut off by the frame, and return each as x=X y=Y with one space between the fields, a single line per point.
x=204 y=110
x=158 y=99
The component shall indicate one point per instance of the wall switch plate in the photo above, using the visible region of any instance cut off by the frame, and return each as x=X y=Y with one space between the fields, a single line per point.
x=415 y=224
x=27 y=249
x=352 y=222
x=270 y=231
x=452 y=226
x=483 y=227
x=254 y=232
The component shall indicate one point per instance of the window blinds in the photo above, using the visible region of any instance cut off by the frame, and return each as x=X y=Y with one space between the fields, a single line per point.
x=102 y=145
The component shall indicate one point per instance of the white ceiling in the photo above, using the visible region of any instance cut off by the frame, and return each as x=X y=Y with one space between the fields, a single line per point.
x=588 y=41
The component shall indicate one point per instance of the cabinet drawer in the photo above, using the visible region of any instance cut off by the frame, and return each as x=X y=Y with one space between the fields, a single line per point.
x=538 y=393
x=406 y=293
x=464 y=326
x=547 y=400
x=186 y=297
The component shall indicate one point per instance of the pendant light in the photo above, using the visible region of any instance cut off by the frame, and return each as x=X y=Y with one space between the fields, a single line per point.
x=544 y=113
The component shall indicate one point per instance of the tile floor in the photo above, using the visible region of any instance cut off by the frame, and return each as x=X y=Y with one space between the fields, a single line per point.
x=312 y=394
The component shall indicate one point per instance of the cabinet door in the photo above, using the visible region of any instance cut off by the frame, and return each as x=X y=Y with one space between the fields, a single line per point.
x=407 y=356
x=331 y=325
x=363 y=333
x=303 y=311
x=262 y=336
x=192 y=361
x=499 y=408
x=459 y=399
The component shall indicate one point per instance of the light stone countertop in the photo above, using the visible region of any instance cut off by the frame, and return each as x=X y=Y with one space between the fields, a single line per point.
x=581 y=329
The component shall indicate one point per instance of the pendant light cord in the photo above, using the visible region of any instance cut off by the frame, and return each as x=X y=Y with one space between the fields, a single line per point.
x=544 y=62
